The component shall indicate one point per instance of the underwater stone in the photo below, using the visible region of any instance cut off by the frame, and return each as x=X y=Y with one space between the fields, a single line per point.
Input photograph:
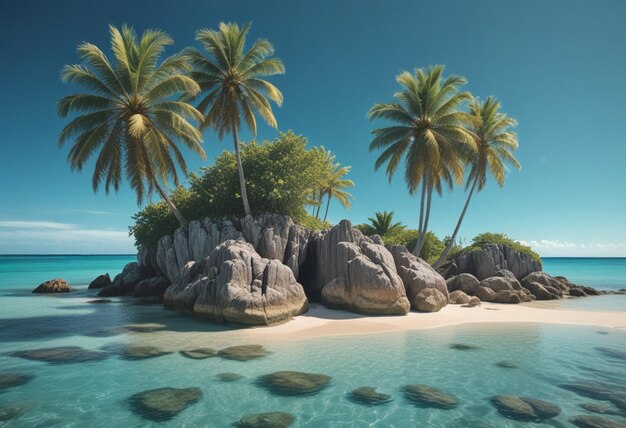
x=243 y=352
x=61 y=355
x=228 y=377
x=294 y=383
x=524 y=408
x=163 y=404
x=427 y=396
x=463 y=347
x=590 y=421
x=504 y=364
x=135 y=352
x=266 y=420
x=9 y=380
x=200 y=353
x=368 y=396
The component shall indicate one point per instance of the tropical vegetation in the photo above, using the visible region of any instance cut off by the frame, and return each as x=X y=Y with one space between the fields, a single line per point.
x=127 y=115
x=500 y=238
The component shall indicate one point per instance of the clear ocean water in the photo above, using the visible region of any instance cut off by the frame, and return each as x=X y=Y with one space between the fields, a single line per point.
x=96 y=393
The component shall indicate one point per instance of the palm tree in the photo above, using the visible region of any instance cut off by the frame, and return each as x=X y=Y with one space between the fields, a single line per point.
x=335 y=186
x=382 y=223
x=495 y=143
x=428 y=130
x=325 y=161
x=128 y=113
x=232 y=80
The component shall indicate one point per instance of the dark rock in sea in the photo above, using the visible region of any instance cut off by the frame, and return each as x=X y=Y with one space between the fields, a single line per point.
x=427 y=396
x=243 y=352
x=504 y=364
x=601 y=408
x=465 y=282
x=463 y=347
x=135 y=352
x=228 y=377
x=12 y=412
x=125 y=282
x=266 y=420
x=595 y=390
x=590 y=421
x=577 y=292
x=10 y=380
x=602 y=332
x=366 y=395
x=100 y=281
x=524 y=408
x=99 y=301
x=56 y=285
x=487 y=260
x=291 y=383
x=474 y=301
x=458 y=297
x=148 y=327
x=612 y=353
x=163 y=404
x=147 y=301
x=61 y=355
x=199 y=353
x=150 y=287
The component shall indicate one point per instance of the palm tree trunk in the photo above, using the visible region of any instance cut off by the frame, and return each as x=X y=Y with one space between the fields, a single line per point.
x=421 y=221
x=330 y=195
x=242 y=179
x=319 y=205
x=443 y=255
x=427 y=216
x=170 y=204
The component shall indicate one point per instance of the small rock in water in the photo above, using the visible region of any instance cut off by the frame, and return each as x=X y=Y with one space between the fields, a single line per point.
x=601 y=408
x=148 y=327
x=590 y=421
x=61 y=355
x=100 y=301
x=427 y=396
x=368 y=396
x=200 y=353
x=613 y=353
x=602 y=332
x=228 y=377
x=266 y=420
x=100 y=281
x=12 y=412
x=9 y=380
x=243 y=352
x=163 y=404
x=463 y=347
x=135 y=352
x=524 y=408
x=293 y=383
x=56 y=285
x=504 y=364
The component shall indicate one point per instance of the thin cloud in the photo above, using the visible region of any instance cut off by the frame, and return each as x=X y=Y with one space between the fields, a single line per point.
x=84 y=211
x=18 y=224
x=548 y=247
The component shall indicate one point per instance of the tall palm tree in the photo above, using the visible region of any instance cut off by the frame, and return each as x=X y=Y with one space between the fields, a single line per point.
x=495 y=144
x=428 y=133
x=325 y=160
x=231 y=80
x=335 y=186
x=127 y=113
x=382 y=223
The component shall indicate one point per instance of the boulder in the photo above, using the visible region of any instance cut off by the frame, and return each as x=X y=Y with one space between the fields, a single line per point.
x=577 y=292
x=485 y=261
x=465 y=282
x=243 y=352
x=524 y=408
x=553 y=285
x=266 y=420
x=540 y=292
x=507 y=296
x=426 y=289
x=100 y=281
x=457 y=297
x=355 y=274
x=163 y=404
x=474 y=301
x=367 y=396
x=235 y=284
x=485 y=294
x=499 y=283
x=427 y=396
x=592 y=421
x=125 y=282
x=292 y=383
x=56 y=285
x=149 y=287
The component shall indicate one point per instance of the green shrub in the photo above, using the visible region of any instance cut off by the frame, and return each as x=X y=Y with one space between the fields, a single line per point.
x=500 y=238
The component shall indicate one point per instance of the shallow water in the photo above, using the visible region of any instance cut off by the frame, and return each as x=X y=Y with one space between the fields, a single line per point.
x=607 y=273
x=96 y=393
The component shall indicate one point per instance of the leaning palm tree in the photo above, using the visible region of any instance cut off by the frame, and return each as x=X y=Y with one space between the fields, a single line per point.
x=495 y=146
x=382 y=223
x=334 y=187
x=128 y=115
x=232 y=80
x=428 y=133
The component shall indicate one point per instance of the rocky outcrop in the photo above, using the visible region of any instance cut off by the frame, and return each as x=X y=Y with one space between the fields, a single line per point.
x=356 y=274
x=56 y=285
x=100 y=281
x=125 y=282
x=487 y=260
x=150 y=287
x=236 y=284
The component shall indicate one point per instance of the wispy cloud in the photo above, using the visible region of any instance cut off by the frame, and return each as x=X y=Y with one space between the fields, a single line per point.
x=548 y=247
x=18 y=224
x=85 y=211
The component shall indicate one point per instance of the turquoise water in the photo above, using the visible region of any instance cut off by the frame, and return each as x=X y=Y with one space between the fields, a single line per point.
x=603 y=273
x=95 y=394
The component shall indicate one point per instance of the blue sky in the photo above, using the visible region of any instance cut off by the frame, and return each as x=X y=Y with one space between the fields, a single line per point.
x=558 y=67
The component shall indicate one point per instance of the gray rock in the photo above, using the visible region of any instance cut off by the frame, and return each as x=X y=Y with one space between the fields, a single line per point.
x=125 y=282
x=100 y=281
x=430 y=300
x=457 y=297
x=488 y=259
x=540 y=292
x=507 y=296
x=151 y=287
x=56 y=285
x=552 y=284
x=466 y=282
x=485 y=294
x=498 y=283
x=197 y=239
x=474 y=301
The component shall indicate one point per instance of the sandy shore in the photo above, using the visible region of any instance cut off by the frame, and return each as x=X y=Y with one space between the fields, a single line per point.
x=321 y=322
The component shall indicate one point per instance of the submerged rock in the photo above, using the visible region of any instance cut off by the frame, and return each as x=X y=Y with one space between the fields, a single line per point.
x=368 y=396
x=427 y=396
x=148 y=327
x=463 y=347
x=57 y=285
x=135 y=352
x=99 y=301
x=293 y=383
x=597 y=391
x=10 y=380
x=228 y=377
x=243 y=352
x=266 y=420
x=504 y=364
x=100 y=281
x=199 y=353
x=600 y=408
x=613 y=353
x=590 y=421
x=524 y=408
x=62 y=355
x=12 y=412
x=163 y=404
